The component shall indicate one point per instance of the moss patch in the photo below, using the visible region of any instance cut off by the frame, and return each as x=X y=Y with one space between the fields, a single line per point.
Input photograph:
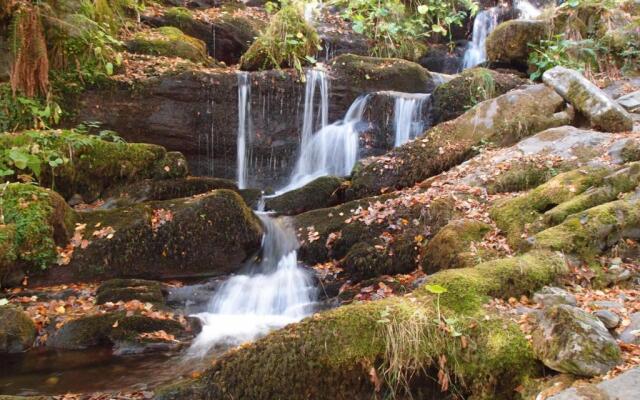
x=169 y=41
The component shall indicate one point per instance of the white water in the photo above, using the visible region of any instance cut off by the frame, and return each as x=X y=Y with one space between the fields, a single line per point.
x=333 y=150
x=316 y=116
x=485 y=22
x=408 y=120
x=272 y=293
x=526 y=10
x=244 y=126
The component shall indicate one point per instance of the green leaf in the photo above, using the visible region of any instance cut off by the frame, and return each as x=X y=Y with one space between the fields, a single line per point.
x=436 y=289
x=109 y=68
x=19 y=158
x=423 y=9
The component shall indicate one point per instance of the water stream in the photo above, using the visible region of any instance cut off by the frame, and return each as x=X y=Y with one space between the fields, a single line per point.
x=408 y=118
x=484 y=23
x=244 y=126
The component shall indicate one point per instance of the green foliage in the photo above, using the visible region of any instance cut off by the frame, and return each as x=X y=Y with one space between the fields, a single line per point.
x=397 y=28
x=288 y=41
x=559 y=51
x=483 y=87
x=18 y=112
x=179 y=15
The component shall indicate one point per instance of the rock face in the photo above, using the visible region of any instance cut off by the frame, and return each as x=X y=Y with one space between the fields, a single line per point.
x=319 y=193
x=145 y=291
x=570 y=340
x=17 y=331
x=204 y=235
x=502 y=121
x=550 y=296
x=631 y=333
x=631 y=101
x=622 y=387
x=603 y=113
x=509 y=42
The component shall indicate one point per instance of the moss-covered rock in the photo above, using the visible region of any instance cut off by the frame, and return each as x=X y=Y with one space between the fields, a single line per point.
x=115 y=290
x=509 y=42
x=501 y=121
x=92 y=164
x=205 y=235
x=287 y=42
x=17 y=330
x=570 y=340
x=319 y=193
x=450 y=247
x=524 y=175
x=453 y=98
x=35 y=221
x=169 y=41
x=521 y=216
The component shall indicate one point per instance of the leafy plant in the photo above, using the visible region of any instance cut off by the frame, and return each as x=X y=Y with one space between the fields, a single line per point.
x=437 y=290
x=19 y=112
x=558 y=51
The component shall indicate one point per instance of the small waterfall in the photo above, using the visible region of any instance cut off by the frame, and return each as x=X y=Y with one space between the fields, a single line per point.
x=272 y=293
x=244 y=126
x=526 y=10
x=333 y=150
x=315 y=116
x=408 y=120
x=485 y=22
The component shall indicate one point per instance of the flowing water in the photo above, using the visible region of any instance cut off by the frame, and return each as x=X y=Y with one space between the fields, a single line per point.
x=526 y=10
x=244 y=126
x=316 y=116
x=483 y=25
x=272 y=293
x=408 y=116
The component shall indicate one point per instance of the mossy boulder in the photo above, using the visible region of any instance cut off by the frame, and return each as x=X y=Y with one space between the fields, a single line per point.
x=17 y=330
x=169 y=41
x=108 y=329
x=209 y=234
x=319 y=193
x=286 y=42
x=92 y=164
x=35 y=221
x=450 y=247
x=570 y=340
x=509 y=42
x=116 y=290
x=501 y=121
x=454 y=98
x=603 y=113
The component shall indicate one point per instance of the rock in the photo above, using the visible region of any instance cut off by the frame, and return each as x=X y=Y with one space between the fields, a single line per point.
x=570 y=340
x=606 y=305
x=5 y=56
x=454 y=98
x=17 y=330
x=616 y=274
x=440 y=59
x=631 y=333
x=319 y=193
x=502 y=121
x=169 y=41
x=631 y=101
x=450 y=247
x=550 y=296
x=145 y=291
x=610 y=319
x=623 y=387
x=602 y=112
x=205 y=235
x=509 y=42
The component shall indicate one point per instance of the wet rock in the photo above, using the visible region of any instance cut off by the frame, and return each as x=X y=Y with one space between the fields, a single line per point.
x=631 y=101
x=440 y=59
x=170 y=42
x=610 y=319
x=568 y=339
x=205 y=235
x=631 y=333
x=509 y=41
x=454 y=98
x=320 y=193
x=450 y=247
x=17 y=330
x=502 y=121
x=587 y=98
x=115 y=290
x=622 y=387
x=552 y=296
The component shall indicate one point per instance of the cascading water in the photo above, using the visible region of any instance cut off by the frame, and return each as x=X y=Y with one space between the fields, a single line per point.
x=316 y=116
x=271 y=294
x=244 y=126
x=485 y=22
x=408 y=120
x=526 y=10
x=333 y=150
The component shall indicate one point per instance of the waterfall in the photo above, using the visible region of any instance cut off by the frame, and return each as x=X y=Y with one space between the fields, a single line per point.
x=333 y=150
x=526 y=10
x=485 y=22
x=315 y=116
x=408 y=120
x=272 y=293
x=244 y=126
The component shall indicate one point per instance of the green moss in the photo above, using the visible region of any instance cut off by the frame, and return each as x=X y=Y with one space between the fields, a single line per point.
x=522 y=215
x=17 y=330
x=509 y=41
x=115 y=290
x=169 y=41
x=631 y=151
x=525 y=175
x=319 y=193
x=179 y=16
x=288 y=41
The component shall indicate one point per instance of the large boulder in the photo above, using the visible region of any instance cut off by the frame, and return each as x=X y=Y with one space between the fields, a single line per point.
x=319 y=193
x=570 y=340
x=209 y=234
x=454 y=98
x=501 y=121
x=169 y=41
x=17 y=330
x=509 y=42
x=602 y=112
x=622 y=387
